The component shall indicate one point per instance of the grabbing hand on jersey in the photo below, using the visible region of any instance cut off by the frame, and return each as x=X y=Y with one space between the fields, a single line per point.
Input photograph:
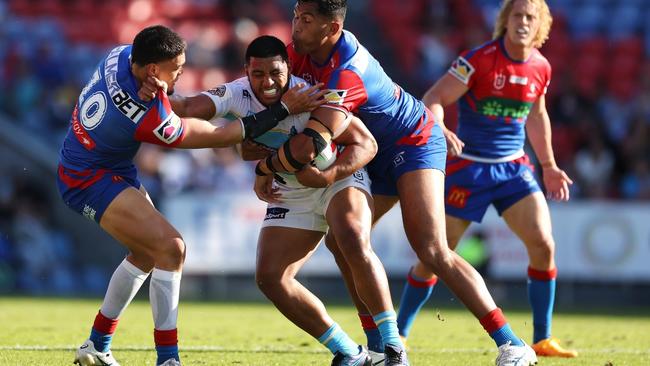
x=251 y=150
x=299 y=100
x=557 y=183
x=264 y=189
x=150 y=87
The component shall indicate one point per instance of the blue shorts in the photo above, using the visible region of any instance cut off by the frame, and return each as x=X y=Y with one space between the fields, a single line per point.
x=470 y=187
x=90 y=191
x=424 y=148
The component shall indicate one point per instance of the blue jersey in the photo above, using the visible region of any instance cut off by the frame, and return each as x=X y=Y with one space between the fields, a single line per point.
x=358 y=84
x=109 y=121
x=493 y=112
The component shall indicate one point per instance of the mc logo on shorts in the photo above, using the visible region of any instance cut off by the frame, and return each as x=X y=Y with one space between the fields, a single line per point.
x=274 y=213
x=457 y=197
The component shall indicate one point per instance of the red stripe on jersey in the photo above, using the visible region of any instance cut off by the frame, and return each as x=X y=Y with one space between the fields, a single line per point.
x=356 y=95
x=422 y=131
x=80 y=132
x=151 y=128
x=456 y=164
x=66 y=176
x=524 y=160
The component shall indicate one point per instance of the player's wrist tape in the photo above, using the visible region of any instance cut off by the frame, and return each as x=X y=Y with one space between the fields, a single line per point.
x=258 y=170
x=258 y=123
x=284 y=154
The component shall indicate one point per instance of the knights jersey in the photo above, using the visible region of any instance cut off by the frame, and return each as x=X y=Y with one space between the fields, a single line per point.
x=358 y=84
x=109 y=121
x=236 y=100
x=492 y=114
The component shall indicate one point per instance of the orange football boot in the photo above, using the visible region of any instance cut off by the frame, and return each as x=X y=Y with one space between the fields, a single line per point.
x=550 y=347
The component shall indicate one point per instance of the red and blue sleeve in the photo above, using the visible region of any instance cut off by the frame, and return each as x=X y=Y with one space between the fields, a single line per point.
x=346 y=91
x=160 y=125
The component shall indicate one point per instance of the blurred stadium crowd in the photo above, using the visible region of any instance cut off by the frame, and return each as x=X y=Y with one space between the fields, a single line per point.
x=599 y=98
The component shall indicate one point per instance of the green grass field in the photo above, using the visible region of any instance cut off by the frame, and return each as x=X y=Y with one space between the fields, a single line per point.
x=45 y=332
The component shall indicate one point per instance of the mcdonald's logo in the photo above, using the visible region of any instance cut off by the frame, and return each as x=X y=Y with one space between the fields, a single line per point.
x=457 y=197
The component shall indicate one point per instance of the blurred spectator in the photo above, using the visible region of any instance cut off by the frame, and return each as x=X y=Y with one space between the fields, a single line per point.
x=594 y=165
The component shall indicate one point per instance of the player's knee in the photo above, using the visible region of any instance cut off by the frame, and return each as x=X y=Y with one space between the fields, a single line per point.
x=355 y=243
x=171 y=250
x=269 y=282
x=437 y=261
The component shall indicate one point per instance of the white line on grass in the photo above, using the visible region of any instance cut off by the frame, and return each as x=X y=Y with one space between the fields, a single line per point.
x=19 y=347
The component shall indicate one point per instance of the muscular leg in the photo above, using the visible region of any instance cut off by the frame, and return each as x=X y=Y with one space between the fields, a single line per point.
x=152 y=242
x=281 y=252
x=420 y=280
x=530 y=220
x=421 y=196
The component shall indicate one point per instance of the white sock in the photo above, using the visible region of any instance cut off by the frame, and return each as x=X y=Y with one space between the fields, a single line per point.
x=125 y=283
x=164 y=291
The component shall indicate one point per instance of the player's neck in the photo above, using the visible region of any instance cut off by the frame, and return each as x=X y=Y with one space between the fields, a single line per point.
x=517 y=52
x=321 y=55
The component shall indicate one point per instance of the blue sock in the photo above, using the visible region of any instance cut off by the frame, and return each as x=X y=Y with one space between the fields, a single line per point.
x=101 y=340
x=373 y=336
x=165 y=353
x=336 y=340
x=416 y=292
x=541 y=295
x=505 y=334
x=387 y=325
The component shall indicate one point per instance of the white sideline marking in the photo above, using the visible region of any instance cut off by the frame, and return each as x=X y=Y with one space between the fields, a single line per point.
x=19 y=347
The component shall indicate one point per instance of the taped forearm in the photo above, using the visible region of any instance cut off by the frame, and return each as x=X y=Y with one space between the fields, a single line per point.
x=259 y=123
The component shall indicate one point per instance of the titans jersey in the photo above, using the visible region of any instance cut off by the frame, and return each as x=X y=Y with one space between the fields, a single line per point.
x=236 y=100
x=358 y=84
x=501 y=93
x=109 y=121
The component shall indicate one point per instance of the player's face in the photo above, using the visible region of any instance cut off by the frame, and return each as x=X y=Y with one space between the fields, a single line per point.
x=269 y=78
x=523 y=23
x=309 y=30
x=170 y=70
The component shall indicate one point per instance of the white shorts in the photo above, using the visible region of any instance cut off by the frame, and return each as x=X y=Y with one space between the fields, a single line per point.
x=305 y=208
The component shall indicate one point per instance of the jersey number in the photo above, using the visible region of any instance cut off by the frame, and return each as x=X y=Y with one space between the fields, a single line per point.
x=93 y=110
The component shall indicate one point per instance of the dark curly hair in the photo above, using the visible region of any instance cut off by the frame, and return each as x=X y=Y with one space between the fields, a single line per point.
x=329 y=8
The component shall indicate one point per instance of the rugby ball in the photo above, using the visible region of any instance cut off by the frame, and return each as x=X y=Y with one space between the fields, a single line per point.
x=326 y=157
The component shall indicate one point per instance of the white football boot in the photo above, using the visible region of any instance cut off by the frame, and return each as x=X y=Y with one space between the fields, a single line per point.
x=516 y=355
x=87 y=355
x=377 y=358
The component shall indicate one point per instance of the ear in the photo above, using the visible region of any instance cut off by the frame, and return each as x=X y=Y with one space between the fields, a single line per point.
x=152 y=69
x=335 y=27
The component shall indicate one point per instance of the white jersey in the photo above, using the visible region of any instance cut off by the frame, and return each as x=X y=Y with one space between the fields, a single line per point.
x=236 y=100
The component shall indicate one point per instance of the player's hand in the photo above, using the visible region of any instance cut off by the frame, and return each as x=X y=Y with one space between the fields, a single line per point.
x=299 y=100
x=150 y=87
x=454 y=144
x=264 y=189
x=309 y=176
x=557 y=183
x=251 y=150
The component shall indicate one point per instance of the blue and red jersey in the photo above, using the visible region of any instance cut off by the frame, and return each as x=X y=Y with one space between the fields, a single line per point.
x=358 y=84
x=502 y=91
x=109 y=121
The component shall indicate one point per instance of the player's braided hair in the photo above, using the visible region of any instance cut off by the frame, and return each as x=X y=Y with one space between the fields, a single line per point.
x=156 y=43
x=330 y=8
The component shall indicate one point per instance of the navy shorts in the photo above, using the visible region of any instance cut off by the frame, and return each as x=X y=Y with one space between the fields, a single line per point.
x=470 y=187
x=425 y=148
x=90 y=191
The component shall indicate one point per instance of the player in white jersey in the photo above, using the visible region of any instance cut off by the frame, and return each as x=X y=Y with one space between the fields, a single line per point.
x=298 y=216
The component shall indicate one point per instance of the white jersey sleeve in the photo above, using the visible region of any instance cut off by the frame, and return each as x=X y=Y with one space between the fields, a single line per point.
x=230 y=98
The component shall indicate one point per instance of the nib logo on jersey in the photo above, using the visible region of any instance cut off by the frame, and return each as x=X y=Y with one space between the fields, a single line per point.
x=170 y=129
x=504 y=108
x=275 y=213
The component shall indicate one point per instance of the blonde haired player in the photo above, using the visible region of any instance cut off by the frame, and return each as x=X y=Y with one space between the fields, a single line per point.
x=500 y=88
